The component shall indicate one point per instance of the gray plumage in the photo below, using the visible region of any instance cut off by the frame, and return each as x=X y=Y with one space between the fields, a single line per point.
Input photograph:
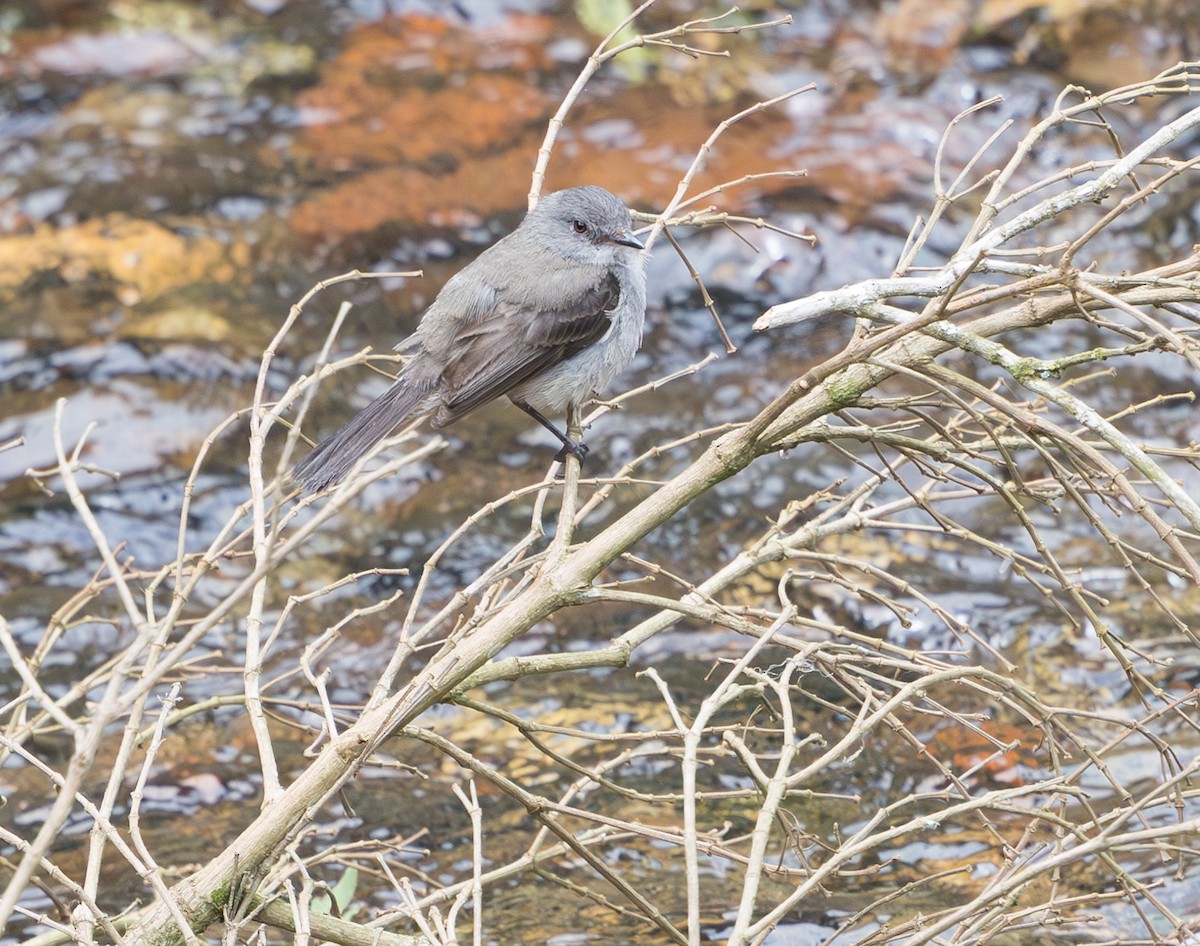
x=548 y=315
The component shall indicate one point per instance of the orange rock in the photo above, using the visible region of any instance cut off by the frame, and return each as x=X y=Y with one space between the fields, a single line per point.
x=921 y=37
x=963 y=749
x=143 y=258
x=415 y=90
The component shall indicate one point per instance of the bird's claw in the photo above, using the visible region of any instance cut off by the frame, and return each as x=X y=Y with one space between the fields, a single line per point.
x=577 y=449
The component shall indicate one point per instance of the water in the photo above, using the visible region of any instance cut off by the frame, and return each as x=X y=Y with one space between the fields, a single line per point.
x=174 y=180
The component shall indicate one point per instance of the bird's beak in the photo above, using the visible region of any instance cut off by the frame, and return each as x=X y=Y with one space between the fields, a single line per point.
x=626 y=239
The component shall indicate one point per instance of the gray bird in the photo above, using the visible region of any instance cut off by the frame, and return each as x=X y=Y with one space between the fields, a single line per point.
x=548 y=315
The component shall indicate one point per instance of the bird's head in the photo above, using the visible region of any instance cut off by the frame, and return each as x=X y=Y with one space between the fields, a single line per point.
x=586 y=224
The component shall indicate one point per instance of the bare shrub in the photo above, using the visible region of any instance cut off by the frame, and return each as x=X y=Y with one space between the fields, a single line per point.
x=953 y=435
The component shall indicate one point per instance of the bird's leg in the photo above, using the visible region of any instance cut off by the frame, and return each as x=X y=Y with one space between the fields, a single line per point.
x=577 y=448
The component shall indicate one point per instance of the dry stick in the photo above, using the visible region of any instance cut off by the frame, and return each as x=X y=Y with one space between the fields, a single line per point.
x=858 y=298
x=598 y=57
x=732 y=452
x=218 y=612
x=264 y=544
x=702 y=155
x=431 y=925
x=508 y=561
x=945 y=197
x=570 y=496
x=151 y=672
x=338 y=761
x=998 y=893
x=317 y=682
x=519 y=549
x=262 y=420
x=78 y=690
x=61 y=619
x=58 y=933
x=730 y=348
x=1174 y=169
x=1032 y=374
x=587 y=777
x=264 y=540
x=151 y=872
x=87 y=739
x=535 y=855
x=1122 y=815
x=935 y=375
x=204 y=563
x=745 y=562
x=349 y=617
x=475 y=889
x=710 y=217
x=869 y=839
x=110 y=926
x=300 y=907
x=189 y=488
x=983 y=327
x=252 y=674
x=775 y=790
x=1036 y=425
x=112 y=792
x=264 y=547
x=694 y=602
x=890 y=932
x=31 y=685
x=993 y=204
x=1132 y=887
x=698 y=217
x=953 y=192
x=539 y=810
x=411 y=637
x=112 y=835
x=332 y=929
x=601 y=54
x=322 y=359
x=622 y=474
x=692 y=734
x=1182 y=345
x=1126 y=731
x=586 y=894
x=1066 y=174
x=511 y=559
x=66 y=468
x=508 y=871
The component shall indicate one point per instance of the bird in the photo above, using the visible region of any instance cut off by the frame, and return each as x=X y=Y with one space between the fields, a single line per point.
x=548 y=315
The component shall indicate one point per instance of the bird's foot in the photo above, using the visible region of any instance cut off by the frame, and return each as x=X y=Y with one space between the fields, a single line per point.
x=576 y=448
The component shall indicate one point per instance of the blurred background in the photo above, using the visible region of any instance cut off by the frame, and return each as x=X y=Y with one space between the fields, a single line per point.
x=175 y=175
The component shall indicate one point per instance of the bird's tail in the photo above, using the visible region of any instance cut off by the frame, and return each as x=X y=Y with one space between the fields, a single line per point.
x=334 y=456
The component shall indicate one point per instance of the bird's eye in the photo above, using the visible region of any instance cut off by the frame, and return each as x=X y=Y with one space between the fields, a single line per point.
x=579 y=226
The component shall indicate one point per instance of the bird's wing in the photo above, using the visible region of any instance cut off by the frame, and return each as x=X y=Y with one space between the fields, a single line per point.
x=520 y=342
